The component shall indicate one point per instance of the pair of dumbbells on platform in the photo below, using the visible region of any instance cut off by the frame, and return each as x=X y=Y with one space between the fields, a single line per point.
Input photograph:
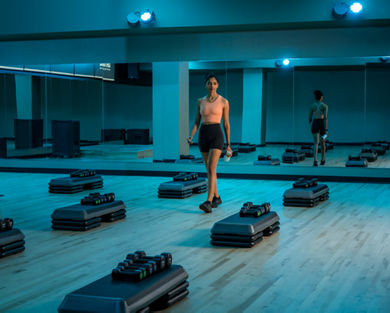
x=185 y=177
x=305 y=183
x=6 y=224
x=96 y=198
x=83 y=173
x=138 y=266
x=251 y=210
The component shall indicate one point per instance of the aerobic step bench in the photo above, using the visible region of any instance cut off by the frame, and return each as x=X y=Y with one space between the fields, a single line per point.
x=238 y=231
x=306 y=193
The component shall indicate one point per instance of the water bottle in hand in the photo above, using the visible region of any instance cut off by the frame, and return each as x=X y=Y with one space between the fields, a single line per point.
x=228 y=156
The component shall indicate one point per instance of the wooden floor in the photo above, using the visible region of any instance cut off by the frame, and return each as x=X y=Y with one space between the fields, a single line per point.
x=331 y=258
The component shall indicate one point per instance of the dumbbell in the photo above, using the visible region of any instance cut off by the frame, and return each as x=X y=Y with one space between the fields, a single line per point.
x=6 y=224
x=110 y=196
x=129 y=265
x=140 y=261
x=256 y=210
x=119 y=273
x=159 y=259
x=247 y=205
x=166 y=255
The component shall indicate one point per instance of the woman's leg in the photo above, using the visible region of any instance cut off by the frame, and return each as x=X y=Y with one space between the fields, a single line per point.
x=214 y=155
x=323 y=148
x=316 y=139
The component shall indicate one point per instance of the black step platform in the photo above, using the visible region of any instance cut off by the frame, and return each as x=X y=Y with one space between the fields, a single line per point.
x=237 y=231
x=246 y=147
x=75 y=184
x=266 y=160
x=84 y=217
x=182 y=189
x=117 y=296
x=11 y=242
x=293 y=156
x=369 y=154
x=378 y=148
x=189 y=158
x=305 y=196
x=356 y=161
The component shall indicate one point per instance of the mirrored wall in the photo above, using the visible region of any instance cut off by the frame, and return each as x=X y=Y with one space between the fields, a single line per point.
x=104 y=111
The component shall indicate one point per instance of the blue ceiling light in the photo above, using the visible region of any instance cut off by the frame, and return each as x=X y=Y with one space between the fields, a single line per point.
x=356 y=7
x=133 y=19
x=282 y=63
x=340 y=9
x=147 y=17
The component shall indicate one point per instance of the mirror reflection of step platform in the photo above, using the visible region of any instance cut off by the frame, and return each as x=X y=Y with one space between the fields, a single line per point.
x=182 y=186
x=82 y=217
x=379 y=148
x=11 y=242
x=369 y=154
x=246 y=147
x=356 y=161
x=189 y=158
x=306 y=193
x=293 y=156
x=245 y=231
x=157 y=292
x=308 y=151
x=77 y=182
x=266 y=160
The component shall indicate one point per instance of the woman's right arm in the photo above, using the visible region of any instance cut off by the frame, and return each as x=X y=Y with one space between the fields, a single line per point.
x=196 y=123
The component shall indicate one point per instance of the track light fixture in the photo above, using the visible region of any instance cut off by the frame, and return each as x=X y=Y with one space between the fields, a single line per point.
x=282 y=63
x=145 y=17
x=341 y=9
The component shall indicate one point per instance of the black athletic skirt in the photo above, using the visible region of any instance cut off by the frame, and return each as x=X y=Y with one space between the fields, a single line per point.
x=210 y=137
x=318 y=126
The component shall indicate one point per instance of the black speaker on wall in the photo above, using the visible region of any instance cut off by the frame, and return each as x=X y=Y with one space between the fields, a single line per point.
x=137 y=136
x=28 y=133
x=66 y=138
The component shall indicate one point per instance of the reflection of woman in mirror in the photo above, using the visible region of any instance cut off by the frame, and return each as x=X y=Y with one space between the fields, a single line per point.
x=318 y=119
x=210 y=109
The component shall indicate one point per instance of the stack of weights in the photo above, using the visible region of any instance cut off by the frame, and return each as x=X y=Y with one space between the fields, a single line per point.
x=248 y=209
x=137 y=266
x=83 y=173
x=305 y=193
x=6 y=224
x=96 y=198
x=11 y=239
x=185 y=177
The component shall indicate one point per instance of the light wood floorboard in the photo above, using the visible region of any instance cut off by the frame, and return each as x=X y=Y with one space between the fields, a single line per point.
x=331 y=258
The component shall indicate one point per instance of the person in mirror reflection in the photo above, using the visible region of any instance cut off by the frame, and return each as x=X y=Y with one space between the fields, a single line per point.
x=318 y=118
x=209 y=111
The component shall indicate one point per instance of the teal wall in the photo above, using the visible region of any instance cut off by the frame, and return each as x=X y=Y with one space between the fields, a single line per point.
x=96 y=31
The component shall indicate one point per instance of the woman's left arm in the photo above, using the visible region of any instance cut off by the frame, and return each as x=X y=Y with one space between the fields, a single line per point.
x=226 y=124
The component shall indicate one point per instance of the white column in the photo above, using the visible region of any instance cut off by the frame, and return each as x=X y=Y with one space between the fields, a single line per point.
x=23 y=84
x=170 y=109
x=252 y=106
